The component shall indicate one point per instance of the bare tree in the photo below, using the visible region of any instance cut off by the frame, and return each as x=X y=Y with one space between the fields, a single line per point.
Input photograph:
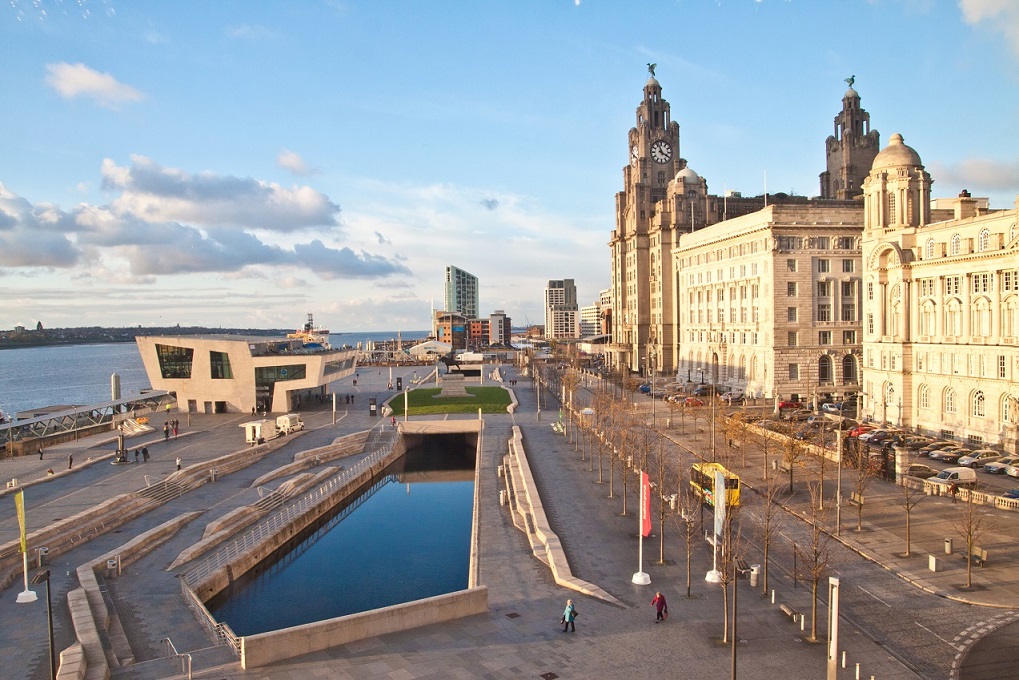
x=771 y=522
x=729 y=556
x=734 y=427
x=972 y=524
x=792 y=451
x=662 y=477
x=688 y=505
x=909 y=498
x=569 y=381
x=815 y=557
x=863 y=474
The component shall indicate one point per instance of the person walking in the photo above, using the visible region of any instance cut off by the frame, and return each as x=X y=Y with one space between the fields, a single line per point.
x=136 y=455
x=70 y=460
x=569 y=615
x=178 y=462
x=661 y=608
x=40 y=453
x=166 y=430
x=145 y=454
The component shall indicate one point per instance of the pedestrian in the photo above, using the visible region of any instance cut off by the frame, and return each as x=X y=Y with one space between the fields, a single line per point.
x=70 y=460
x=166 y=430
x=145 y=454
x=40 y=453
x=393 y=420
x=136 y=455
x=661 y=608
x=252 y=411
x=178 y=462
x=176 y=424
x=569 y=614
x=953 y=489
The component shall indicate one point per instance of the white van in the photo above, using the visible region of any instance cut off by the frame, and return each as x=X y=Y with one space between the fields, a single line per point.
x=960 y=476
x=291 y=422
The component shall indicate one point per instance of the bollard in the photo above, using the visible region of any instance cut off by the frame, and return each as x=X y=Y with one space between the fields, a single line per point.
x=948 y=546
x=212 y=475
x=502 y=497
x=147 y=481
x=843 y=658
x=40 y=555
x=111 y=567
x=803 y=622
x=500 y=471
x=857 y=670
x=773 y=596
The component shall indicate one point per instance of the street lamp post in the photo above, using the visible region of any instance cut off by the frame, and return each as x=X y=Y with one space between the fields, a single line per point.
x=37 y=579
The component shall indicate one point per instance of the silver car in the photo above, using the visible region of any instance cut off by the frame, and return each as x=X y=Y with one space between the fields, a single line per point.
x=999 y=466
x=978 y=459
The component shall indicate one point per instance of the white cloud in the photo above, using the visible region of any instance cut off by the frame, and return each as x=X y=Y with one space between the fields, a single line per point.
x=978 y=174
x=249 y=32
x=159 y=194
x=1000 y=15
x=292 y=161
x=77 y=80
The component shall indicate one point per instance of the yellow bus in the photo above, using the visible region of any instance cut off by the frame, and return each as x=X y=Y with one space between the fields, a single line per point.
x=702 y=484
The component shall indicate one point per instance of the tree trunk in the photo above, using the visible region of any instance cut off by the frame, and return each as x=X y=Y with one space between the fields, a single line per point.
x=907 y=530
x=767 y=545
x=725 y=611
x=813 y=610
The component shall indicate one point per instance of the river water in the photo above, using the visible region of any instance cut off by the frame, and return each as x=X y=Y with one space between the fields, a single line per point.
x=35 y=377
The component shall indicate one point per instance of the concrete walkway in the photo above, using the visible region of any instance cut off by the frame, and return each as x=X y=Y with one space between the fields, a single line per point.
x=518 y=637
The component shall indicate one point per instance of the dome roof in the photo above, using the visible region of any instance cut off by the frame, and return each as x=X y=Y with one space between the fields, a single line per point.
x=652 y=81
x=687 y=176
x=896 y=154
x=851 y=93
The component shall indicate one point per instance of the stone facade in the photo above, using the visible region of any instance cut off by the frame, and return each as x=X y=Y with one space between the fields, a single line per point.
x=849 y=152
x=941 y=306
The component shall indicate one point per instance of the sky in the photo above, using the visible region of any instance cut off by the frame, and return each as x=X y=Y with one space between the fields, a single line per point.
x=240 y=164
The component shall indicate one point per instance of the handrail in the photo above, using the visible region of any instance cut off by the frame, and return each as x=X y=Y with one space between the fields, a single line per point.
x=170 y=652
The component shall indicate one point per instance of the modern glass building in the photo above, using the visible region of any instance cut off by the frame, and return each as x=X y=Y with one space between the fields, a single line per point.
x=461 y=292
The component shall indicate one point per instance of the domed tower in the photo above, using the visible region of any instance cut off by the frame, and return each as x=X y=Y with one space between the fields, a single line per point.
x=897 y=192
x=850 y=151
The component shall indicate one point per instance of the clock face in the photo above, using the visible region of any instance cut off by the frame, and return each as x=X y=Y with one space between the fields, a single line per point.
x=661 y=151
x=633 y=155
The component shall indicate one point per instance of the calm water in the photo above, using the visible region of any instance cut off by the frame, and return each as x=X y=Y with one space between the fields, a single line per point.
x=406 y=542
x=80 y=374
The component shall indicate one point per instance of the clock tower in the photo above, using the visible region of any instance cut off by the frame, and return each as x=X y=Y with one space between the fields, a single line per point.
x=654 y=161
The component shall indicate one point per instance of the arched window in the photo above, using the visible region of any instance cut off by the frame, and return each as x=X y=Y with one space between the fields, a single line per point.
x=953 y=318
x=925 y=396
x=979 y=405
x=1010 y=319
x=984 y=241
x=849 y=369
x=929 y=250
x=980 y=318
x=742 y=369
x=956 y=246
x=824 y=369
x=949 y=400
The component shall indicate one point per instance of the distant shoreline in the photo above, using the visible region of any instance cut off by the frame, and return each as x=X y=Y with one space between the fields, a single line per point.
x=100 y=336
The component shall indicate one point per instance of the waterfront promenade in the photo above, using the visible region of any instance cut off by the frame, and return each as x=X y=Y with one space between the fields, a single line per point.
x=518 y=637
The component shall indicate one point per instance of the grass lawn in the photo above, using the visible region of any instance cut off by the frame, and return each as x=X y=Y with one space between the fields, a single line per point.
x=424 y=401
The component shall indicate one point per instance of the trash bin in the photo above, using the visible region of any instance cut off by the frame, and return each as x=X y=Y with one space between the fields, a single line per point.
x=111 y=568
x=41 y=554
x=948 y=546
x=755 y=573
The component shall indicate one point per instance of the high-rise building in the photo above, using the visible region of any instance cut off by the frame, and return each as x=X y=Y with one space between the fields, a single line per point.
x=561 y=312
x=500 y=330
x=461 y=292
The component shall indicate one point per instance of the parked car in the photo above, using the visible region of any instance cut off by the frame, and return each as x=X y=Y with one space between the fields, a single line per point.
x=935 y=446
x=834 y=408
x=959 y=476
x=1011 y=494
x=921 y=471
x=644 y=389
x=915 y=442
x=860 y=429
x=783 y=405
x=704 y=391
x=869 y=436
x=999 y=466
x=693 y=401
x=979 y=458
x=948 y=455
x=798 y=414
x=1012 y=470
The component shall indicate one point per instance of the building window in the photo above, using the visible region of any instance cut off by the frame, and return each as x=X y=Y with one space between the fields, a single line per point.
x=949 y=400
x=845 y=242
x=981 y=283
x=984 y=241
x=870 y=290
x=790 y=289
x=794 y=371
x=953 y=319
x=848 y=311
x=824 y=311
x=791 y=264
x=848 y=337
x=870 y=324
x=892 y=217
x=1010 y=280
x=824 y=289
x=219 y=362
x=824 y=369
x=952 y=286
x=849 y=369
x=791 y=314
x=929 y=250
x=1001 y=365
x=956 y=246
x=824 y=338
x=979 y=405
x=926 y=287
x=175 y=362
x=823 y=266
x=793 y=339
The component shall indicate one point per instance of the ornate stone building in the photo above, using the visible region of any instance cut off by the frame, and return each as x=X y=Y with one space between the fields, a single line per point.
x=941 y=306
x=850 y=152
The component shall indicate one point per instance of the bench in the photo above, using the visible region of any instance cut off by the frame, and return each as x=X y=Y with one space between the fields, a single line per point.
x=789 y=611
x=856 y=498
x=978 y=555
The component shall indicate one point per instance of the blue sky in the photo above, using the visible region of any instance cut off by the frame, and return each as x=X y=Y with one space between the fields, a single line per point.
x=240 y=164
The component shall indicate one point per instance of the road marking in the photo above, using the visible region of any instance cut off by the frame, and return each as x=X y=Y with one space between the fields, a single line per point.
x=950 y=644
x=874 y=596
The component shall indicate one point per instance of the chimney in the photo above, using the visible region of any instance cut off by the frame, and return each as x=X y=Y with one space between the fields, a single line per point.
x=966 y=206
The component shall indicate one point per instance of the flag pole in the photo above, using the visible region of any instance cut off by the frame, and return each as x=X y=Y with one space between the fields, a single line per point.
x=26 y=595
x=641 y=578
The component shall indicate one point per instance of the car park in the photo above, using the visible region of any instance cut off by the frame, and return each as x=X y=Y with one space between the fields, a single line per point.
x=935 y=446
x=875 y=436
x=1011 y=494
x=798 y=414
x=999 y=466
x=978 y=459
x=948 y=455
x=860 y=429
x=783 y=405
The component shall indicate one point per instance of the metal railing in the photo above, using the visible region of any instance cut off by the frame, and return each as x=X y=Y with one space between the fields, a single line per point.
x=273 y=524
x=170 y=652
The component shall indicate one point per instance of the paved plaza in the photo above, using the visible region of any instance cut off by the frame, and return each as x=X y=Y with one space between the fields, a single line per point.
x=901 y=621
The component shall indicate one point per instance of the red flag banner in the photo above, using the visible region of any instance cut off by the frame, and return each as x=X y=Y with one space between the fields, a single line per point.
x=645 y=505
